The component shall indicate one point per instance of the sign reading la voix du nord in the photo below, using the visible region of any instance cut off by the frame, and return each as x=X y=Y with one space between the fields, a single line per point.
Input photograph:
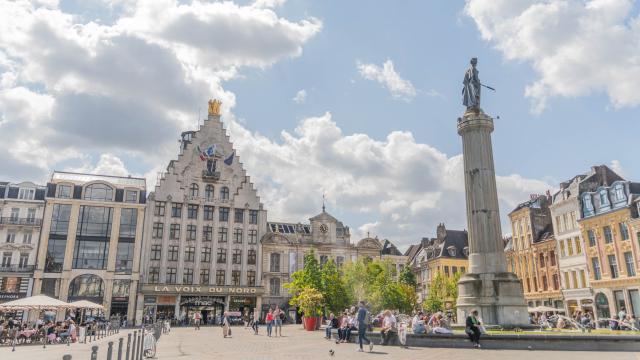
x=202 y=290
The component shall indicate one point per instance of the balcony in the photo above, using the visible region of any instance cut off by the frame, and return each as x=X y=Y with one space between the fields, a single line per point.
x=10 y=220
x=17 y=268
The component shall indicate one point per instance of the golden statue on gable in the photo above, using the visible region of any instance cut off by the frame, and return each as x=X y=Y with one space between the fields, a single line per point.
x=214 y=107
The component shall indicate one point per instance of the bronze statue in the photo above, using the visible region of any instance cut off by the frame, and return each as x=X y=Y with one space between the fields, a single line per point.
x=471 y=89
x=214 y=107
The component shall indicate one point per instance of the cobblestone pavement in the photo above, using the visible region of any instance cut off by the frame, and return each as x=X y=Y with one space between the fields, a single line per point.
x=297 y=344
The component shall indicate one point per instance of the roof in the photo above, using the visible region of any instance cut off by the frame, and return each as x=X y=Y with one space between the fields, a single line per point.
x=389 y=249
x=84 y=178
x=457 y=240
x=412 y=251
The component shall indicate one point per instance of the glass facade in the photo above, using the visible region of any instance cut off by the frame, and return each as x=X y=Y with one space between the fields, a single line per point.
x=57 y=237
x=92 y=238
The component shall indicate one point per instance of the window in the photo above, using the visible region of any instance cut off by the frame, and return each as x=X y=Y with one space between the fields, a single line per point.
x=251 y=278
x=174 y=231
x=275 y=262
x=223 y=213
x=158 y=230
x=176 y=210
x=552 y=258
x=604 y=199
x=446 y=271
x=221 y=256
x=191 y=232
x=583 y=279
x=222 y=234
x=192 y=211
x=208 y=192
x=624 y=231
x=208 y=212
x=205 y=255
x=567 y=283
x=556 y=284
x=98 y=192
x=131 y=196
x=608 y=237
x=597 y=273
x=323 y=259
x=121 y=288
x=235 y=277
x=204 y=276
x=569 y=247
x=64 y=191
x=592 y=238
x=15 y=214
x=158 y=209
x=193 y=190
x=613 y=266
x=86 y=286
x=154 y=275
x=574 y=277
x=207 y=233
x=224 y=193
x=251 y=257
x=11 y=237
x=27 y=237
x=172 y=274
x=26 y=194
x=628 y=259
x=541 y=260
x=578 y=247
x=237 y=236
x=31 y=215
x=588 y=204
x=57 y=237
x=128 y=223
x=274 y=287
x=619 y=191
x=559 y=224
x=189 y=253
x=253 y=237
x=173 y=253
x=124 y=255
x=237 y=256
x=253 y=216
x=187 y=276
x=220 y=277
x=156 y=252
x=92 y=237
x=6 y=259
x=239 y=216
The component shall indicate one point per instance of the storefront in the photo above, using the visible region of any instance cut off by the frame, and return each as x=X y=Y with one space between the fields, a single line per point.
x=181 y=302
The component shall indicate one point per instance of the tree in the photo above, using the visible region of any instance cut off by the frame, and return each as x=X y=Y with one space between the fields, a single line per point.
x=333 y=288
x=442 y=289
x=308 y=277
x=356 y=280
x=407 y=276
x=310 y=301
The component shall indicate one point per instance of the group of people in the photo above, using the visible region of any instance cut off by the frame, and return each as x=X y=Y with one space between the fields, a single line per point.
x=624 y=321
x=274 y=318
x=436 y=323
x=344 y=324
x=49 y=331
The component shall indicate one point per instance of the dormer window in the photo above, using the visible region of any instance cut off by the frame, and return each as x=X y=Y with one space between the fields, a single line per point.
x=465 y=251
x=604 y=199
x=452 y=251
x=588 y=205
x=64 y=191
x=131 y=196
x=98 y=192
x=26 y=194
x=619 y=191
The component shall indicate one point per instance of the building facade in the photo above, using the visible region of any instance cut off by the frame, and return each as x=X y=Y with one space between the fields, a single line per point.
x=21 y=210
x=90 y=240
x=607 y=212
x=285 y=245
x=202 y=231
x=532 y=254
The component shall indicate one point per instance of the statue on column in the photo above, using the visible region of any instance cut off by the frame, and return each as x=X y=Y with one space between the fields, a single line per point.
x=471 y=89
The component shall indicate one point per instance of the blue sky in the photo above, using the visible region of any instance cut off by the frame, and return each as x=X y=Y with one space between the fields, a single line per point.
x=107 y=85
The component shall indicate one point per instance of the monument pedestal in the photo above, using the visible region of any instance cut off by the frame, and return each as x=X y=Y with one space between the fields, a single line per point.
x=487 y=287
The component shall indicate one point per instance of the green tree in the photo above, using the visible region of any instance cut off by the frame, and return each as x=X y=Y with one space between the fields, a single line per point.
x=442 y=289
x=308 y=277
x=356 y=280
x=333 y=288
x=407 y=276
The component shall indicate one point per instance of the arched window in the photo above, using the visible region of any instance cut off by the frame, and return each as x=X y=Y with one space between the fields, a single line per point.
x=604 y=199
x=208 y=192
x=193 y=190
x=86 y=286
x=619 y=190
x=588 y=205
x=224 y=193
x=98 y=192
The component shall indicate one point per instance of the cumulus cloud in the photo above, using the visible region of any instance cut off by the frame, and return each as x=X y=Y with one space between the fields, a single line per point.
x=389 y=78
x=576 y=47
x=404 y=188
x=301 y=96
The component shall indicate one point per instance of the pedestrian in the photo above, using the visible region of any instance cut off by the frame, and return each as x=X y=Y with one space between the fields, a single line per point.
x=256 y=320
x=278 y=317
x=196 y=319
x=269 y=321
x=472 y=328
x=389 y=327
x=226 y=325
x=364 y=318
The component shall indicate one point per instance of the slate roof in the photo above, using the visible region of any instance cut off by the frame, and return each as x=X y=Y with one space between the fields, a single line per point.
x=389 y=249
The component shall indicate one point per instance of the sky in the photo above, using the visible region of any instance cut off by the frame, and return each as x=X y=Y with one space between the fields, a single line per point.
x=354 y=99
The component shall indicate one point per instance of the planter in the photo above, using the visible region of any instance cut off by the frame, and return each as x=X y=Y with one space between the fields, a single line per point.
x=310 y=323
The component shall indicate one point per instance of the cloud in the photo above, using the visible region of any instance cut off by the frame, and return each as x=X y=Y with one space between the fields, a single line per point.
x=576 y=47
x=301 y=96
x=268 y=3
x=616 y=166
x=400 y=188
x=389 y=78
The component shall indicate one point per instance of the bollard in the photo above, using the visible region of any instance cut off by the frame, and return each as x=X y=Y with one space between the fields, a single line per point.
x=66 y=357
x=141 y=344
x=44 y=338
x=120 y=348
x=128 y=346
x=134 y=349
x=110 y=350
x=94 y=352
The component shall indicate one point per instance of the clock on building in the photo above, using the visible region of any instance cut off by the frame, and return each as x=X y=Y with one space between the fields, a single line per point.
x=324 y=228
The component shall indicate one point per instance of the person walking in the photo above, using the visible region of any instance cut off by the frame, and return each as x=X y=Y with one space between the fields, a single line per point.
x=226 y=325
x=269 y=321
x=196 y=319
x=278 y=317
x=472 y=328
x=256 y=320
x=364 y=318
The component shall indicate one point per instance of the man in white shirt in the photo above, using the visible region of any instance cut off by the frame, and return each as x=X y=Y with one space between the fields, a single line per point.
x=389 y=327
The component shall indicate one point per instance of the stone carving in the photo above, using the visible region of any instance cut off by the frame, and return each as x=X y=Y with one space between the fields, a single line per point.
x=471 y=89
x=214 y=107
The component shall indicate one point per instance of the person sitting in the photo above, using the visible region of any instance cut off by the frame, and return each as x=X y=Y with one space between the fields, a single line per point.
x=442 y=326
x=343 y=328
x=389 y=327
x=332 y=323
x=472 y=328
x=417 y=324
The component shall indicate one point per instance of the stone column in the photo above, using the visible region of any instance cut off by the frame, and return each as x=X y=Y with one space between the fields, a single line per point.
x=487 y=287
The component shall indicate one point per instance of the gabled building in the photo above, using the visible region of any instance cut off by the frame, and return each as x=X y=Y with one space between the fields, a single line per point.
x=21 y=211
x=391 y=254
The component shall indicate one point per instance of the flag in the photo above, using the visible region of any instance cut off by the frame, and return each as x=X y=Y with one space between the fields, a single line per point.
x=229 y=159
x=208 y=153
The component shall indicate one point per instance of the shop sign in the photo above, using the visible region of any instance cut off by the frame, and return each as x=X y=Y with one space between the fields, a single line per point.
x=149 y=299
x=173 y=289
x=6 y=296
x=200 y=301
x=166 y=300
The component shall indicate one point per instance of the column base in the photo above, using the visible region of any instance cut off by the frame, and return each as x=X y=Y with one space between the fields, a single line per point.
x=498 y=297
